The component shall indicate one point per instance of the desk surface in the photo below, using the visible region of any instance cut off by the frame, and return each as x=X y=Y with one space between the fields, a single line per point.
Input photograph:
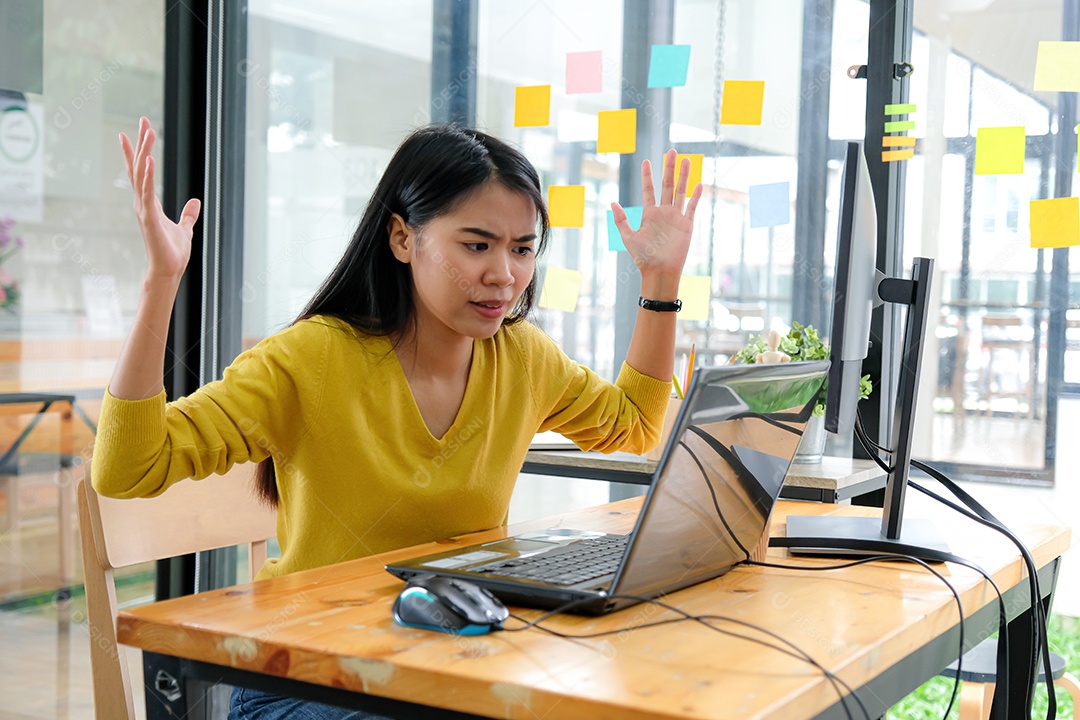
x=332 y=627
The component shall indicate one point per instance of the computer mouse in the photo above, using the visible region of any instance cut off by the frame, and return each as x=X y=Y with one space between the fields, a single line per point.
x=448 y=605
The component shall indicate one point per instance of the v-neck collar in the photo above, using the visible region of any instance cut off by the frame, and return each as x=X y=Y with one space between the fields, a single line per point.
x=414 y=409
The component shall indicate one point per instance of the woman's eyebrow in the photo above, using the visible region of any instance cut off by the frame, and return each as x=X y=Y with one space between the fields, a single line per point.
x=495 y=236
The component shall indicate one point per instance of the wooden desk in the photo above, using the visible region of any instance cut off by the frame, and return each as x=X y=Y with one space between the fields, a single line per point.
x=832 y=480
x=327 y=634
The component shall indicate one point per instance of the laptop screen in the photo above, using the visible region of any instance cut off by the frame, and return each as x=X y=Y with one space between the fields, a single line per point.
x=709 y=504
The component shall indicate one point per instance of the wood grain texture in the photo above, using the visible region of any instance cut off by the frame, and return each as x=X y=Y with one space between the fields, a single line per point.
x=333 y=626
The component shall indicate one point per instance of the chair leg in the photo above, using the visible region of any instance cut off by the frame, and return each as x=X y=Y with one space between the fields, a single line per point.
x=1068 y=683
x=975 y=700
x=65 y=519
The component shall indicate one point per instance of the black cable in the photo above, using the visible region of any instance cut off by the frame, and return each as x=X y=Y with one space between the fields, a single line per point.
x=1040 y=638
x=939 y=576
x=798 y=653
x=712 y=492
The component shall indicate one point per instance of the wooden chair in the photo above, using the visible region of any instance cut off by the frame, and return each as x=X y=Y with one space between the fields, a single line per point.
x=979 y=676
x=191 y=516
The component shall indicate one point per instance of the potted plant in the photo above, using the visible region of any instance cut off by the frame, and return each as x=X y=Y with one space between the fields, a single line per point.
x=801 y=343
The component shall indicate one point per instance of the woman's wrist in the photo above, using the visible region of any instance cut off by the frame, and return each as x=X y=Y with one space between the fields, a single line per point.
x=660 y=286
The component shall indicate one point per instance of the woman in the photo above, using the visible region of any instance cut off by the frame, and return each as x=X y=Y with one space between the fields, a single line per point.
x=399 y=407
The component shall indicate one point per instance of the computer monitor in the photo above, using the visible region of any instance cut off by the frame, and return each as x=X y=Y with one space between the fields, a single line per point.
x=859 y=287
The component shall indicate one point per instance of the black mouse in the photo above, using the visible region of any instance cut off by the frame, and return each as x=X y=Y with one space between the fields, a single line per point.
x=448 y=605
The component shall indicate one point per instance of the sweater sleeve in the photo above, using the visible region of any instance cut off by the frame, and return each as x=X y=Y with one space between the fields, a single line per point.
x=596 y=414
x=258 y=409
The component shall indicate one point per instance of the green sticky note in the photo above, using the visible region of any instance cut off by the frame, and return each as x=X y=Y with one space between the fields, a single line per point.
x=742 y=102
x=695 y=291
x=900 y=109
x=1057 y=67
x=566 y=206
x=561 y=289
x=532 y=106
x=617 y=131
x=1000 y=151
x=899 y=125
x=1055 y=223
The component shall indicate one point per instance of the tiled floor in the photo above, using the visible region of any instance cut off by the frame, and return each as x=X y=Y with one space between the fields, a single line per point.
x=44 y=650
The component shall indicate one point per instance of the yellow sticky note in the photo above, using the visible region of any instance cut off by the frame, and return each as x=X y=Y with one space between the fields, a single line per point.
x=566 y=205
x=695 y=291
x=532 y=106
x=618 y=131
x=694 y=178
x=1055 y=223
x=561 y=289
x=742 y=102
x=1000 y=151
x=1057 y=67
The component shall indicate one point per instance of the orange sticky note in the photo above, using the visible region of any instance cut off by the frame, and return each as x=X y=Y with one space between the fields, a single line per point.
x=566 y=205
x=1055 y=223
x=694 y=178
x=532 y=106
x=618 y=131
x=895 y=155
x=891 y=141
x=561 y=289
x=695 y=291
x=742 y=102
x=1000 y=151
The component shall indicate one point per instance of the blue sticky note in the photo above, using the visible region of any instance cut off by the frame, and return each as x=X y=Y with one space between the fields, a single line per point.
x=668 y=65
x=614 y=239
x=770 y=204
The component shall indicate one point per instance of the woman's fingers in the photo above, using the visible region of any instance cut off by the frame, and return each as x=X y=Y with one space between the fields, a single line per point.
x=648 y=192
x=680 y=189
x=667 y=184
x=147 y=189
x=129 y=154
x=691 y=207
x=190 y=214
x=622 y=222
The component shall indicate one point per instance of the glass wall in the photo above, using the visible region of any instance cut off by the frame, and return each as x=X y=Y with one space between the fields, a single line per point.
x=71 y=261
x=986 y=393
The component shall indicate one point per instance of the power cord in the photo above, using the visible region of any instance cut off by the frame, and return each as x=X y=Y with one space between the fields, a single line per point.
x=795 y=652
x=975 y=511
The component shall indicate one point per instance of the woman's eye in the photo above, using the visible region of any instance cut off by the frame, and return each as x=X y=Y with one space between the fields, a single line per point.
x=523 y=250
x=476 y=247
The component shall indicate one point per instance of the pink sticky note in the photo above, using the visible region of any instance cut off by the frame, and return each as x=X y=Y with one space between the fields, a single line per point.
x=584 y=72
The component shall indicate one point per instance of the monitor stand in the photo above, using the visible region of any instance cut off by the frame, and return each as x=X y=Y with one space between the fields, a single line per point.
x=892 y=527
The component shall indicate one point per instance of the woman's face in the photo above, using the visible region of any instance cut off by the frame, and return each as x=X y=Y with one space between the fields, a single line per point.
x=470 y=266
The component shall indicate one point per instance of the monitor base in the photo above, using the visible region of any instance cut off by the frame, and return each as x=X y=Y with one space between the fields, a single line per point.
x=915 y=533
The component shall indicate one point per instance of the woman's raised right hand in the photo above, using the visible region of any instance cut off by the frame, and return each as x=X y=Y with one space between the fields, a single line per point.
x=168 y=244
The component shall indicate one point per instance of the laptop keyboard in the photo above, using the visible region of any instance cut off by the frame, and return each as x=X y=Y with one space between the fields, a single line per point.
x=578 y=562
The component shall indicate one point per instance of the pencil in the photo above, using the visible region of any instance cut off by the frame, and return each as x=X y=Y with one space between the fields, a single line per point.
x=678 y=390
x=690 y=367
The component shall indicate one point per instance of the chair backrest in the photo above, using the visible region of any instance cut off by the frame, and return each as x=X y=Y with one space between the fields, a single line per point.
x=191 y=516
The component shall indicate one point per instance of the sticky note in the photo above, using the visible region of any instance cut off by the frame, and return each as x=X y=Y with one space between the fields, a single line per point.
x=1055 y=223
x=1057 y=67
x=618 y=131
x=1000 y=151
x=900 y=109
x=614 y=238
x=695 y=291
x=566 y=206
x=770 y=204
x=897 y=141
x=895 y=155
x=561 y=289
x=584 y=72
x=668 y=65
x=899 y=126
x=532 y=105
x=742 y=101
x=694 y=178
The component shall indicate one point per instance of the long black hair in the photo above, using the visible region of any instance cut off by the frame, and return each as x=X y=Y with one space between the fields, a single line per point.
x=434 y=170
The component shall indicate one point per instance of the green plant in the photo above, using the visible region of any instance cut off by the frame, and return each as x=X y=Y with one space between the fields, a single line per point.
x=802 y=343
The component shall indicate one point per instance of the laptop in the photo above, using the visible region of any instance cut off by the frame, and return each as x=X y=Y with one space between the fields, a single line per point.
x=707 y=507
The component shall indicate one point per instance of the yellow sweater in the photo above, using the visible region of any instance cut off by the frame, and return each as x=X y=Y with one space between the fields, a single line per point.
x=358 y=472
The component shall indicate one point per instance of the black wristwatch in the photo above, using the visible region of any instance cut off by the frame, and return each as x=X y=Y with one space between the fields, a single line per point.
x=660 y=305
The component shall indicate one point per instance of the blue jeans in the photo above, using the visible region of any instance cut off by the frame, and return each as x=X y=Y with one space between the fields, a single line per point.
x=254 y=705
